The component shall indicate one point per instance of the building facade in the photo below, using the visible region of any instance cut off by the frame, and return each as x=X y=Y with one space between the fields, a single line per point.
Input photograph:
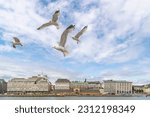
x=146 y=89
x=118 y=87
x=86 y=87
x=138 y=88
x=79 y=86
x=62 y=84
x=94 y=85
x=39 y=84
x=3 y=86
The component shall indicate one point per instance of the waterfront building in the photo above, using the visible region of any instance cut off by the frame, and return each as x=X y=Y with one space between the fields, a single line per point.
x=86 y=87
x=118 y=87
x=62 y=84
x=146 y=89
x=78 y=86
x=3 y=86
x=94 y=85
x=34 y=84
x=138 y=88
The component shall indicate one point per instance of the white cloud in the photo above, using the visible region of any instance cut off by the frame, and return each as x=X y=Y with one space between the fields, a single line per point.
x=117 y=21
x=85 y=3
x=17 y=68
x=5 y=48
x=20 y=18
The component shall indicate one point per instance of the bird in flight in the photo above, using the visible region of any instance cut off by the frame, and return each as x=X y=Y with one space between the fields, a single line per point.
x=63 y=39
x=51 y=22
x=16 y=42
x=77 y=36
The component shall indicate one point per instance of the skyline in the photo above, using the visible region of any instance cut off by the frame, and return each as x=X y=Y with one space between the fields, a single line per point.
x=115 y=46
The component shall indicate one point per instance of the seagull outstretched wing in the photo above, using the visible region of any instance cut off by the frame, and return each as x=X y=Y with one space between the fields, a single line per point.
x=81 y=32
x=55 y=16
x=51 y=22
x=16 y=40
x=63 y=38
x=44 y=25
x=65 y=34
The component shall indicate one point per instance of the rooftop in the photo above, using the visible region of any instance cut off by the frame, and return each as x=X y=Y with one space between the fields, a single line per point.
x=94 y=82
x=116 y=81
x=18 y=79
x=30 y=79
x=140 y=86
x=62 y=81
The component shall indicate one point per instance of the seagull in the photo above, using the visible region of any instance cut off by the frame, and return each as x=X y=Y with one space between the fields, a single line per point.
x=16 y=42
x=77 y=36
x=63 y=40
x=52 y=22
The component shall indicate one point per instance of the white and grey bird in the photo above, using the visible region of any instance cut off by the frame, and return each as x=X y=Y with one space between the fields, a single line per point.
x=16 y=42
x=54 y=21
x=77 y=36
x=63 y=39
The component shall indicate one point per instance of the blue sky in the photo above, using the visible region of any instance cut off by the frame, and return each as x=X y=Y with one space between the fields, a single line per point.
x=115 y=46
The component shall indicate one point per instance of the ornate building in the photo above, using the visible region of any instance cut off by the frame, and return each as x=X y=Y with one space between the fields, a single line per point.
x=34 y=84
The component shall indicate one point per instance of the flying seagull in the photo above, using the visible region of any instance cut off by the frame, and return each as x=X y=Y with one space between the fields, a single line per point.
x=16 y=42
x=77 y=36
x=63 y=40
x=52 y=22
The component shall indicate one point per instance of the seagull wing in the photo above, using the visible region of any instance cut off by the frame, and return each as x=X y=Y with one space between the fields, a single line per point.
x=65 y=34
x=63 y=38
x=16 y=39
x=55 y=16
x=44 y=25
x=81 y=32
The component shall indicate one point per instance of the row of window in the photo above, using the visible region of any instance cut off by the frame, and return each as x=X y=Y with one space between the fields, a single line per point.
x=123 y=92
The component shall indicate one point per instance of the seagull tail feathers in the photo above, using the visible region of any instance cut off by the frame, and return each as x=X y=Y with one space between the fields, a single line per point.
x=65 y=53
x=74 y=38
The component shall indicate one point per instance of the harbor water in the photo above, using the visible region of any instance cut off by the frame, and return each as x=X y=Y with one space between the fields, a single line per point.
x=77 y=98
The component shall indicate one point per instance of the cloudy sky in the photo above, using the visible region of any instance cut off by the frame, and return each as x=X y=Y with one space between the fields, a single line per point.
x=115 y=46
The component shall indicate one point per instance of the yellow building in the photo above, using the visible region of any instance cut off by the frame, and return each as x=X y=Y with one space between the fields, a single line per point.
x=146 y=90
